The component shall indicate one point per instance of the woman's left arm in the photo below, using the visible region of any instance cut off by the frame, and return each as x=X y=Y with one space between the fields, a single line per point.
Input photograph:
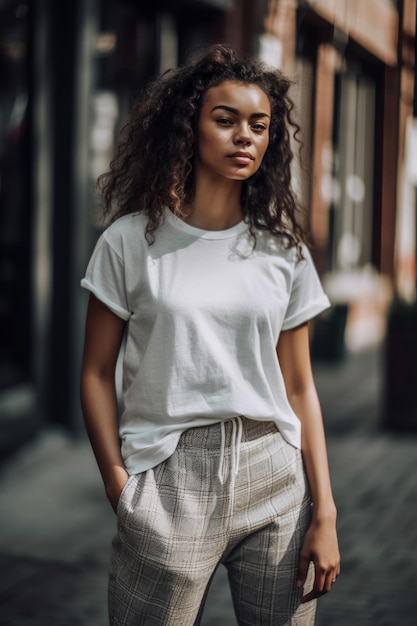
x=320 y=543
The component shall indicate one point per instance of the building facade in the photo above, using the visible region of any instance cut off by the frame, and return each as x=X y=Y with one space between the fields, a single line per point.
x=68 y=72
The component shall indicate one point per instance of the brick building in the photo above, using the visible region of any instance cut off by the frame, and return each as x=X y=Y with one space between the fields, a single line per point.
x=68 y=71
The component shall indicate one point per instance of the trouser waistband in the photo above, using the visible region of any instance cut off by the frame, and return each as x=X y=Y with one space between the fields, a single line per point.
x=210 y=436
x=226 y=437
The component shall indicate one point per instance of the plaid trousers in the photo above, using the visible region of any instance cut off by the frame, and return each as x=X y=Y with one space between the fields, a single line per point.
x=233 y=493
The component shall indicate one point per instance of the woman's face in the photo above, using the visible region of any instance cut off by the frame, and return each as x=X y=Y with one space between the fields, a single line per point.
x=233 y=130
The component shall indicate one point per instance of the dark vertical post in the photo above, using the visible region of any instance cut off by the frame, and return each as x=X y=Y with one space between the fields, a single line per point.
x=415 y=111
x=63 y=37
x=82 y=196
x=400 y=406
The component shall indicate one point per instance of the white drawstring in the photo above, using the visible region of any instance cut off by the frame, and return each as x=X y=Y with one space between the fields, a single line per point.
x=222 y=447
x=236 y=440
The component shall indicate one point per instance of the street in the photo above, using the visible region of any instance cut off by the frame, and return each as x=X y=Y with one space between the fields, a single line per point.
x=56 y=524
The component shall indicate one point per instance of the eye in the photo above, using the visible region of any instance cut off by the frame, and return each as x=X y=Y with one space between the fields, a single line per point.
x=258 y=127
x=224 y=121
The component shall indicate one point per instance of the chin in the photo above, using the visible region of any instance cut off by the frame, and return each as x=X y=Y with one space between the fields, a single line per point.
x=243 y=175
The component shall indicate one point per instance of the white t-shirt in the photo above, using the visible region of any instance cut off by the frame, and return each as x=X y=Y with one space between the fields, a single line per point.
x=204 y=310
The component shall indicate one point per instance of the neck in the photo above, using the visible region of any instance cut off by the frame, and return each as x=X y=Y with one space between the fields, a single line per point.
x=215 y=208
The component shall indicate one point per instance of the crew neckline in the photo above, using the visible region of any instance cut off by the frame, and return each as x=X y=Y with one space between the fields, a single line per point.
x=202 y=233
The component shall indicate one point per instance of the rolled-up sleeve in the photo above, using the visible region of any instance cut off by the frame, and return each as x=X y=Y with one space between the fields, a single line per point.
x=307 y=297
x=105 y=278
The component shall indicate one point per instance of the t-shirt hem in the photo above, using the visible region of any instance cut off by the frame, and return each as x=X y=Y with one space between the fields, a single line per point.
x=139 y=461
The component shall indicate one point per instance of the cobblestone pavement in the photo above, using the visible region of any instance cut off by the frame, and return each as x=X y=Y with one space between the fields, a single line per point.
x=56 y=525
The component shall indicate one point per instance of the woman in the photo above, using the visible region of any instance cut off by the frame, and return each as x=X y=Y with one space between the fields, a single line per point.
x=220 y=454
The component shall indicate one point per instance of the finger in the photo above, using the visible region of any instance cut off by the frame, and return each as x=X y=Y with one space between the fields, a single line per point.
x=318 y=586
x=334 y=577
x=330 y=581
x=308 y=597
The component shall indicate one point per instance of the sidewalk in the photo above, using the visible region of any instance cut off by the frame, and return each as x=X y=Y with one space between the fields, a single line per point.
x=56 y=525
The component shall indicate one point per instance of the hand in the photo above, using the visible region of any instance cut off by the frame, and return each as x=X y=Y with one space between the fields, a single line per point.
x=115 y=487
x=321 y=547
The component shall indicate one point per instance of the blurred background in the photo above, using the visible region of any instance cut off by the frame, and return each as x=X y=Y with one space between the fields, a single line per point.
x=68 y=72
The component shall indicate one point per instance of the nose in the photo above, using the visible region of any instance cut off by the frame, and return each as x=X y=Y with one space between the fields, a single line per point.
x=243 y=135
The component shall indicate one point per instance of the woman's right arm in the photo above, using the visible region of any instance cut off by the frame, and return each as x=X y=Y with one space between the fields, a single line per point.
x=103 y=338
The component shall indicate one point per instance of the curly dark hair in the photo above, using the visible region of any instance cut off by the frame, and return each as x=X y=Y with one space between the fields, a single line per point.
x=153 y=163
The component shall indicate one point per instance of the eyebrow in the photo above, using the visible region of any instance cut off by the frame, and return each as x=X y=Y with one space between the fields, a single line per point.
x=236 y=111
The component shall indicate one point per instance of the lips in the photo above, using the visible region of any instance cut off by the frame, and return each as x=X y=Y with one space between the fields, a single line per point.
x=241 y=155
